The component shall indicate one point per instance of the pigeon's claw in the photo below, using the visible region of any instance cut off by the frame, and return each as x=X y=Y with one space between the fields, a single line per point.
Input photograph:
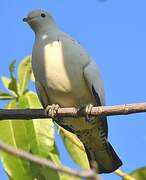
x=52 y=110
x=88 y=109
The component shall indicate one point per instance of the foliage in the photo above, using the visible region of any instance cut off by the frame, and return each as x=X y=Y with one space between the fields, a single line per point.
x=75 y=148
x=33 y=136
x=139 y=174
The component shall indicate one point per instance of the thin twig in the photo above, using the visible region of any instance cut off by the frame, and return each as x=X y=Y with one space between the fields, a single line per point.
x=90 y=174
x=72 y=112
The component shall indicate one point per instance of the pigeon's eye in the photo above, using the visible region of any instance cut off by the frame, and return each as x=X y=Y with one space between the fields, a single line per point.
x=43 y=15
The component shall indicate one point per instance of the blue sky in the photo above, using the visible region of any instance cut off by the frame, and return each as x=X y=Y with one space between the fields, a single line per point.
x=114 y=34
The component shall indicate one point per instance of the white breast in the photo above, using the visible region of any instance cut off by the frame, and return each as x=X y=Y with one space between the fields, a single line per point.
x=61 y=74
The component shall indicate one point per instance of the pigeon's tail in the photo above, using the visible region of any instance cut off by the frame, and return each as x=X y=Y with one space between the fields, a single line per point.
x=107 y=160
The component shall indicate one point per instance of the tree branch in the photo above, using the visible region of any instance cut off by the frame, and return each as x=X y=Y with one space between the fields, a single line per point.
x=72 y=112
x=90 y=174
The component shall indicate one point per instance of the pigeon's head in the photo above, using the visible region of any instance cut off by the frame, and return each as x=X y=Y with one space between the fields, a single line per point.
x=38 y=19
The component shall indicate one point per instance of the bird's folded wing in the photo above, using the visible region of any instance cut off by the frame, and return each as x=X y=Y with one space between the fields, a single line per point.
x=42 y=94
x=94 y=82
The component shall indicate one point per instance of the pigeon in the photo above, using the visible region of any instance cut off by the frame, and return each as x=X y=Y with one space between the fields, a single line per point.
x=66 y=76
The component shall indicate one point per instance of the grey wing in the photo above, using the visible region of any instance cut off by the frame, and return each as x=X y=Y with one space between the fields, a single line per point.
x=94 y=82
x=42 y=94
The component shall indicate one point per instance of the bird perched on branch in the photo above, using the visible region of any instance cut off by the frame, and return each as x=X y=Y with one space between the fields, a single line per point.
x=66 y=76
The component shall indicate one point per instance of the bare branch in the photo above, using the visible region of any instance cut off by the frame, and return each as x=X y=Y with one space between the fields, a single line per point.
x=73 y=112
x=90 y=174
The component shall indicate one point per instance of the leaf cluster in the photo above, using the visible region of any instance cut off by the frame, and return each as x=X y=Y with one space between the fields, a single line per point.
x=35 y=136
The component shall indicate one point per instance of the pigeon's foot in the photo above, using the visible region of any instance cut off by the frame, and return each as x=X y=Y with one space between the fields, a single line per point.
x=88 y=109
x=52 y=110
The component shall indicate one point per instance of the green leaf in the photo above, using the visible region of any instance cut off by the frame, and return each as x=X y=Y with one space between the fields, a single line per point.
x=42 y=133
x=139 y=174
x=13 y=82
x=13 y=132
x=24 y=73
x=5 y=96
x=75 y=148
x=6 y=81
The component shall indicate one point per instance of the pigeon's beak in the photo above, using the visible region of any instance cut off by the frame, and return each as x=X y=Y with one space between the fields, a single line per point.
x=26 y=19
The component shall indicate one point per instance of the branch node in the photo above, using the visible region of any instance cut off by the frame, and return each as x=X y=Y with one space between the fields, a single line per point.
x=126 y=109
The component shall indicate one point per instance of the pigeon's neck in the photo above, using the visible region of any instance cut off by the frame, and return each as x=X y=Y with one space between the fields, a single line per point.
x=47 y=34
x=46 y=29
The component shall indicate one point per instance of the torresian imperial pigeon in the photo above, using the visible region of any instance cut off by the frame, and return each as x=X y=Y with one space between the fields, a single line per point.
x=68 y=77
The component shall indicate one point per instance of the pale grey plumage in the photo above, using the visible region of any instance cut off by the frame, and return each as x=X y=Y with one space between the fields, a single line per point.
x=66 y=75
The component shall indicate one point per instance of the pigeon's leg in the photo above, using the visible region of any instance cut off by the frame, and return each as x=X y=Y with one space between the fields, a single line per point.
x=87 y=110
x=52 y=110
